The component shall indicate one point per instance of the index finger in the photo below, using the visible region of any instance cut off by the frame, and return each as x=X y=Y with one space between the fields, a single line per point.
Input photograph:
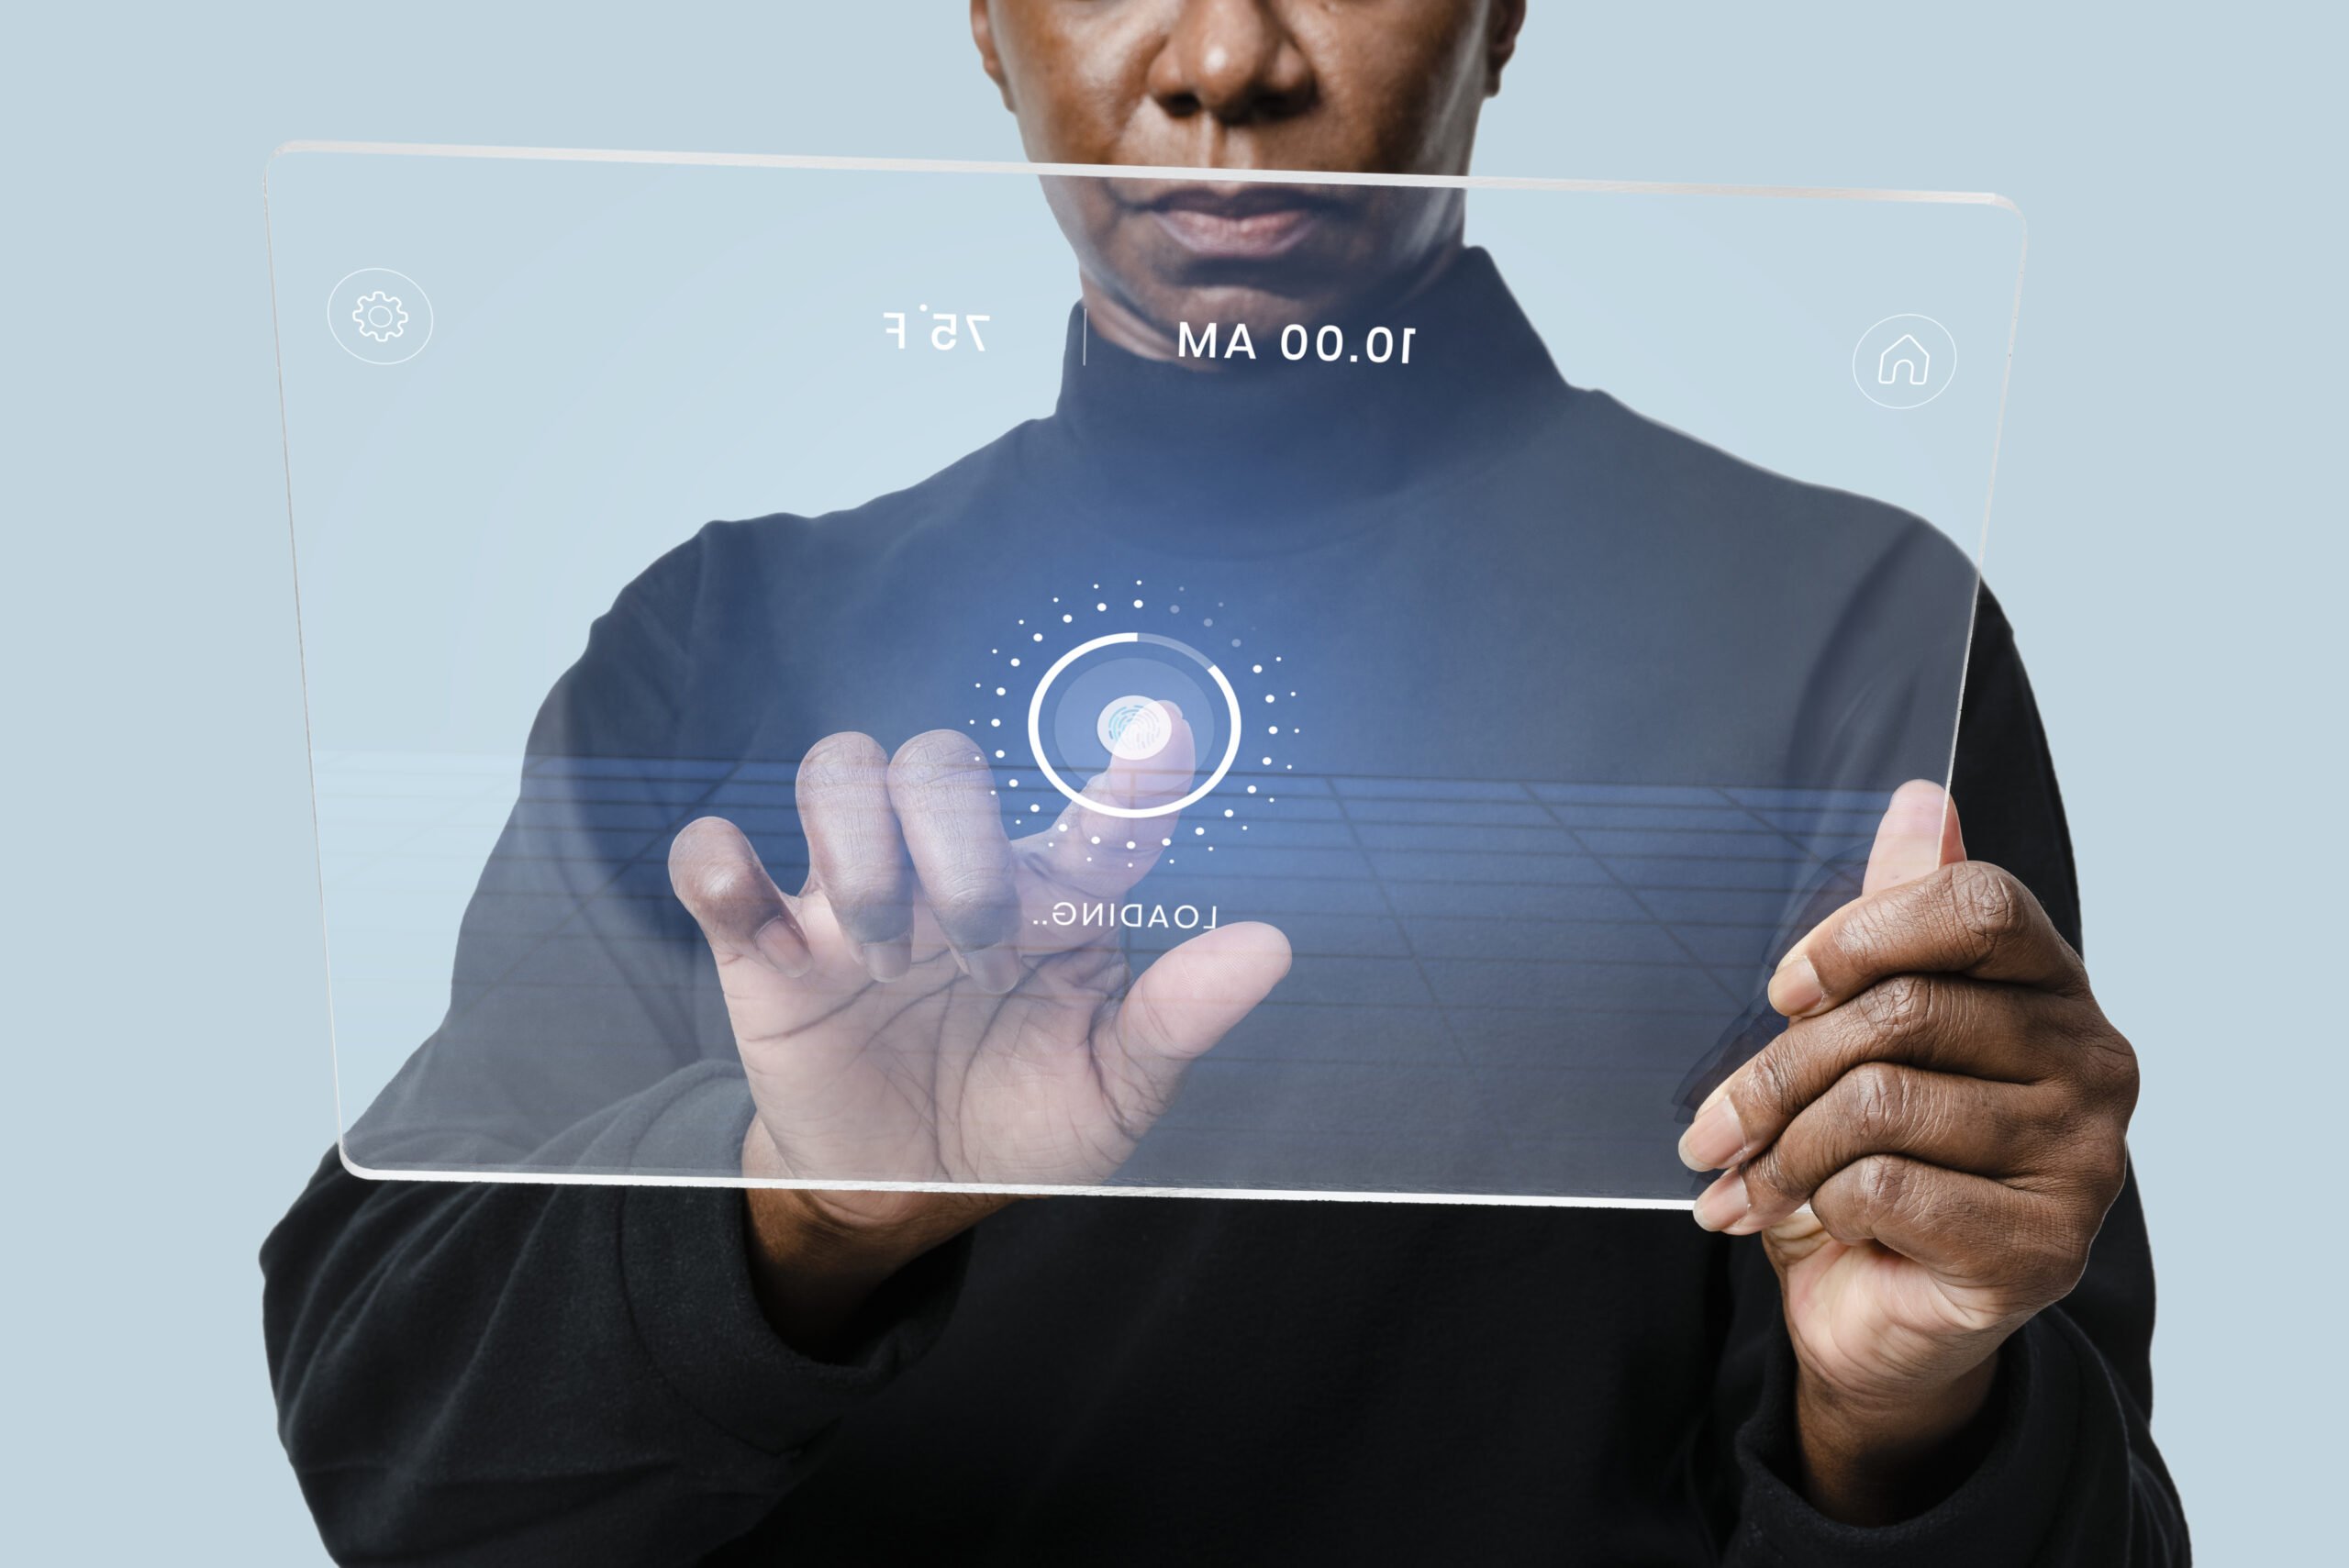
x=1945 y=1027
x=1096 y=848
x=1970 y=918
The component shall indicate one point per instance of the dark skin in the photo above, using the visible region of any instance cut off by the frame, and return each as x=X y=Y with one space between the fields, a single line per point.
x=1369 y=87
x=1926 y=1154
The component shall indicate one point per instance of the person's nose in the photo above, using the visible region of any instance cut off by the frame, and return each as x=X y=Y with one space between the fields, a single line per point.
x=1232 y=59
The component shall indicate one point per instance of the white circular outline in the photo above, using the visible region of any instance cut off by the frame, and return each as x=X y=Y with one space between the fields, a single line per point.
x=1044 y=765
x=1903 y=315
x=432 y=317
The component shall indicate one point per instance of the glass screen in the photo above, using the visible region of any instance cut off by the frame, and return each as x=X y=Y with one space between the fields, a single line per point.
x=1056 y=679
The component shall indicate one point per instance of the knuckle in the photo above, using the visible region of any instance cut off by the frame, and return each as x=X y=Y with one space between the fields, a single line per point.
x=1872 y=926
x=1883 y=1183
x=2050 y=1258
x=1900 y=1008
x=2066 y=1123
x=2095 y=1056
x=1878 y=1099
x=2110 y=1064
x=2104 y=1158
x=1772 y=1083
x=1991 y=905
x=1768 y=1178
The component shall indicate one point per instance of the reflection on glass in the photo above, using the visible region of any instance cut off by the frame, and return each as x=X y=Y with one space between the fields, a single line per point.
x=1326 y=748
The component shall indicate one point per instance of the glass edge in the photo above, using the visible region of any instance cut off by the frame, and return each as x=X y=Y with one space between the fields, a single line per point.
x=745 y=1183
x=1989 y=494
x=678 y=159
x=301 y=650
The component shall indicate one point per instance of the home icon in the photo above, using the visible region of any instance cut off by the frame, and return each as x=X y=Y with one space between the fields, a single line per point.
x=1906 y=359
x=1903 y=361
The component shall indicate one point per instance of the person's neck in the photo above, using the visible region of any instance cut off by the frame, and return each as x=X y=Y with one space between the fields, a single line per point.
x=1124 y=325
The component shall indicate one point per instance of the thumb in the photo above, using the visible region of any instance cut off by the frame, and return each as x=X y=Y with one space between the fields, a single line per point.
x=1918 y=836
x=1185 y=1002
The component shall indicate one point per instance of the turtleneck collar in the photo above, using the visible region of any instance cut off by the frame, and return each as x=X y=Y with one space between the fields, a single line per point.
x=1273 y=438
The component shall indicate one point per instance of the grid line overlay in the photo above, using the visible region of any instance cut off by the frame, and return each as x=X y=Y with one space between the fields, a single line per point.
x=1489 y=975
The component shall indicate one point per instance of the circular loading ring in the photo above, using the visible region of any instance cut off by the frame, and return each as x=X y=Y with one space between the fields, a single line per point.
x=1036 y=724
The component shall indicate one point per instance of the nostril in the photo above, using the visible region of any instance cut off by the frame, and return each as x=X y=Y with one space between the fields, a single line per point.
x=1283 y=105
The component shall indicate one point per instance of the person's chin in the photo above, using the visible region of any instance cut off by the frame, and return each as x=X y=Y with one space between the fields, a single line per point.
x=1283 y=279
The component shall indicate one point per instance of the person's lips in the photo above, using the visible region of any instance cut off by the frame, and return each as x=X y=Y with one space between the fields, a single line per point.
x=1249 y=223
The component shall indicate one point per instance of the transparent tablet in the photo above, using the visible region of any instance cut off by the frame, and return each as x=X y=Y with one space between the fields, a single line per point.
x=1203 y=681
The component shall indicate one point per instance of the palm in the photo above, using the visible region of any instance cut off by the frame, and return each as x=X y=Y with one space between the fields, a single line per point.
x=1863 y=1317
x=877 y=1055
x=927 y=1078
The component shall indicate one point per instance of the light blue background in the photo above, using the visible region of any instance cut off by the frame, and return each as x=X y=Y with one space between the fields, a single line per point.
x=2166 y=540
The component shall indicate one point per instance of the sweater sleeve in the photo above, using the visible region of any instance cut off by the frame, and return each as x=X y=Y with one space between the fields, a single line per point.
x=2071 y=1476
x=533 y=1371
x=514 y=1373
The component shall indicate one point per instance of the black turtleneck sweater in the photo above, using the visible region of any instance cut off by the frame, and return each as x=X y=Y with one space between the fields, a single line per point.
x=515 y=1373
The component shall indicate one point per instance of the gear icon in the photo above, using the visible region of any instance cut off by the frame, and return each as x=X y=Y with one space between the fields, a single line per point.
x=380 y=315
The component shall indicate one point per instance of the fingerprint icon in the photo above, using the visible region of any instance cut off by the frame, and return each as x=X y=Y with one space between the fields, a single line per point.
x=1133 y=728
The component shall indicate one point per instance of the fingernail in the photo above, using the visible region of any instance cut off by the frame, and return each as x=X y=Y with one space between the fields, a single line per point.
x=780 y=946
x=1723 y=1204
x=1795 y=989
x=994 y=970
x=1715 y=1138
x=887 y=961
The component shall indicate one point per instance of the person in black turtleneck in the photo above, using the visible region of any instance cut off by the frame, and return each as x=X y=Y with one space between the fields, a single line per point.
x=1913 y=1322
